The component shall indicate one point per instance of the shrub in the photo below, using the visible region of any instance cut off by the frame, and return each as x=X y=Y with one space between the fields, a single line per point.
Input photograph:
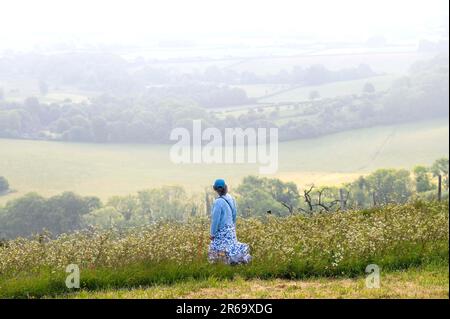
x=4 y=185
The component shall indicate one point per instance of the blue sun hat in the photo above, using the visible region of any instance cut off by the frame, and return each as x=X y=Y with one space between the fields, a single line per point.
x=219 y=183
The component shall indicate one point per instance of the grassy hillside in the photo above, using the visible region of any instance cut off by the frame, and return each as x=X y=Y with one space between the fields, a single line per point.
x=297 y=247
x=330 y=90
x=104 y=170
x=422 y=282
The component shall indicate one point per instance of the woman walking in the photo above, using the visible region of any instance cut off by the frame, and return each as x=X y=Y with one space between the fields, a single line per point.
x=224 y=245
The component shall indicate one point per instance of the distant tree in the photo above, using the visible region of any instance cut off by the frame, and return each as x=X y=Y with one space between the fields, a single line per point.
x=78 y=134
x=441 y=167
x=359 y=193
x=264 y=194
x=390 y=186
x=32 y=214
x=49 y=114
x=65 y=211
x=169 y=202
x=10 y=123
x=274 y=114
x=317 y=74
x=213 y=74
x=104 y=217
x=31 y=103
x=80 y=120
x=314 y=94
x=323 y=198
x=422 y=179
x=124 y=205
x=61 y=125
x=369 y=88
x=24 y=216
x=4 y=185
x=100 y=129
x=43 y=87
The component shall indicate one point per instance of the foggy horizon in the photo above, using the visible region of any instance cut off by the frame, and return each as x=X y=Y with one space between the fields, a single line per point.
x=202 y=22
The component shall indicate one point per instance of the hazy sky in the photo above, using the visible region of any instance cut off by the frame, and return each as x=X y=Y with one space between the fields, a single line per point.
x=20 y=20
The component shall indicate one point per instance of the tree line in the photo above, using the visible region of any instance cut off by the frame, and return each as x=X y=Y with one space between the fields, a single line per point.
x=150 y=117
x=4 y=185
x=256 y=197
x=110 y=73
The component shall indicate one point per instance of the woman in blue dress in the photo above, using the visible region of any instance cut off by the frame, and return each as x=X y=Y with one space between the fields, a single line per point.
x=224 y=245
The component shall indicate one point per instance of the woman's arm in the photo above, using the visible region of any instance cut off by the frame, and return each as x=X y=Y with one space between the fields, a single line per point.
x=215 y=218
x=234 y=211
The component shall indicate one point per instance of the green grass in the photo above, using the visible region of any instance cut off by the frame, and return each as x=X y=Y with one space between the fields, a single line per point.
x=331 y=90
x=48 y=283
x=429 y=281
x=27 y=275
x=105 y=170
x=261 y=90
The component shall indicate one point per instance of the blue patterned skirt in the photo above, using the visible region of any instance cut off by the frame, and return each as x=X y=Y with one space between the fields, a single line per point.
x=226 y=248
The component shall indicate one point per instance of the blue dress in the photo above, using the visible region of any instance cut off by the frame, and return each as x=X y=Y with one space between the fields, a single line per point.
x=225 y=247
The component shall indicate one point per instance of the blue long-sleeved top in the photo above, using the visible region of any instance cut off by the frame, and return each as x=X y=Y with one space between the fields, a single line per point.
x=221 y=214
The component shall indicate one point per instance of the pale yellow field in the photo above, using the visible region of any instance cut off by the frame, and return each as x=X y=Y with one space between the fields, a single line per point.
x=104 y=170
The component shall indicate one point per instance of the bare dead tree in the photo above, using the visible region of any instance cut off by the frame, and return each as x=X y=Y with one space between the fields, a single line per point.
x=327 y=206
x=308 y=197
x=344 y=195
x=321 y=203
x=287 y=205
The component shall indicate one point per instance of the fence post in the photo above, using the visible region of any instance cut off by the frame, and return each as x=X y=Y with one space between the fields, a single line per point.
x=341 y=198
x=439 y=187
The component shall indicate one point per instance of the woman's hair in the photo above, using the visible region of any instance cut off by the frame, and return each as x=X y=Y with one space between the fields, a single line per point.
x=221 y=190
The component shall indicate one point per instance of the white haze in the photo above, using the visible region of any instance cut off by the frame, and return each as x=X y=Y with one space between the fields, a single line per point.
x=25 y=24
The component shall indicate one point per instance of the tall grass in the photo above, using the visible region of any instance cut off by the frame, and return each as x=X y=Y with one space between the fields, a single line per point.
x=336 y=244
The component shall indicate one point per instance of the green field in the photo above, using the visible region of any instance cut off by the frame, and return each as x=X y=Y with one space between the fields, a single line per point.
x=104 y=170
x=283 y=97
x=331 y=90
x=261 y=90
x=423 y=282
x=19 y=88
x=381 y=62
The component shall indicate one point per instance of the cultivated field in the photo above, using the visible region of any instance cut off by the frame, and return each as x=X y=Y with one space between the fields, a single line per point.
x=103 y=170
x=381 y=62
x=330 y=90
x=19 y=88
